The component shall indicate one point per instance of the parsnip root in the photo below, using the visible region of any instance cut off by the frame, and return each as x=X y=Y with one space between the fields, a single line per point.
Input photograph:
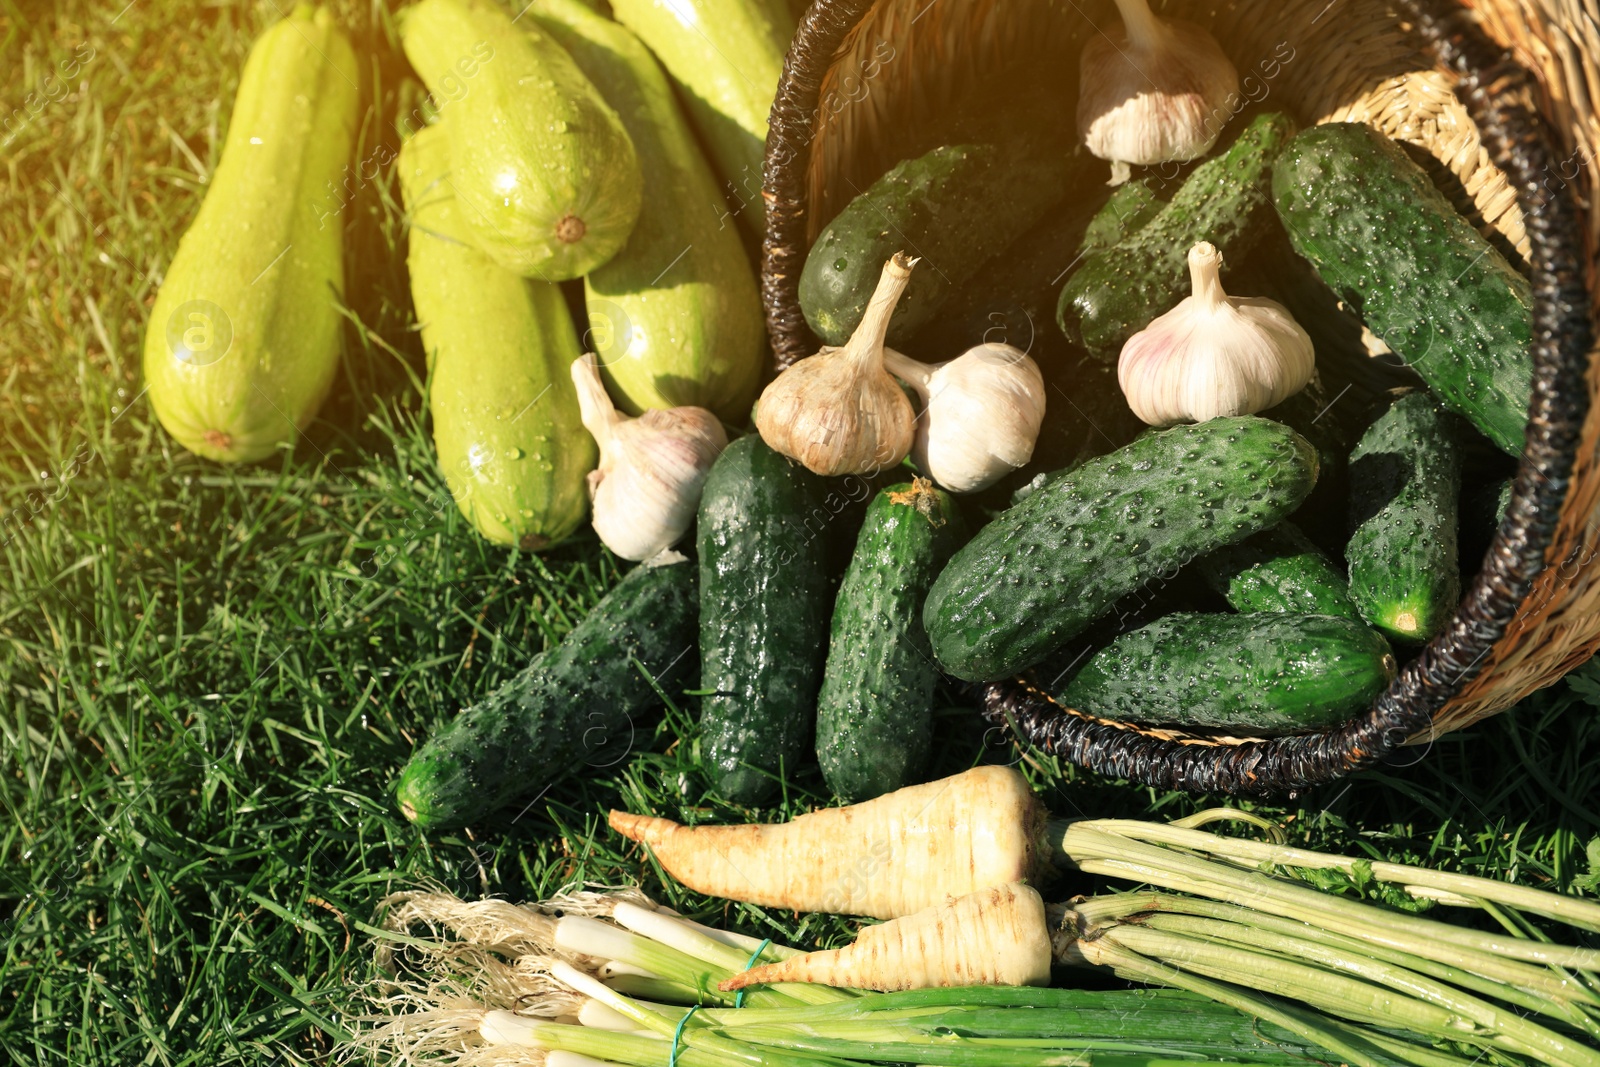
x=996 y=936
x=888 y=857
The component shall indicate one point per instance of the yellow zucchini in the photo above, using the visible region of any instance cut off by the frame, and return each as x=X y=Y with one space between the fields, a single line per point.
x=726 y=56
x=544 y=173
x=500 y=349
x=675 y=318
x=243 y=340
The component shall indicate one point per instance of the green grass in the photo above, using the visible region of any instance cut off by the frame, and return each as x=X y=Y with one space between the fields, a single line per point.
x=209 y=676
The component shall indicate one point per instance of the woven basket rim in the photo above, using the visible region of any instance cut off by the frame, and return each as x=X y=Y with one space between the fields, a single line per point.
x=1493 y=88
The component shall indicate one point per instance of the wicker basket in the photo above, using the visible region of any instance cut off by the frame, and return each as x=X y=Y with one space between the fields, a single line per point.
x=1503 y=93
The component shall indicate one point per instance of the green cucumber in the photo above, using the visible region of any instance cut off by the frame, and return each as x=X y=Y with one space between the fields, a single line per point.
x=1008 y=299
x=243 y=340
x=1050 y=566
x=500 y=349
x=1227 y=200
x=675 y=318
x=1405 y=475
x=1262 y=674
x=547 y=177
x=954 y=207
x=726 y=56
x=766 y=593
x=1131 y=207
x=1278 y=570
x=1396 y=251
x=571 y=702
x=874 y=721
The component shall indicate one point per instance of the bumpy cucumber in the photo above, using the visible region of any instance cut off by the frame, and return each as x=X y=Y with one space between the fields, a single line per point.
x=1010 y=298
x=674 y=317
x=766 y=594
x=874 y=722
x=1130 y=208
x=1265 y=673
x=500 y=348
x=1405 y=476
x=726 y=56
x=1396 y=250
x=1227 y=201
x=573 y=701
x=1278 y=570
x=1048 y=567
x=547 y=177
x=954 y=207
x=243 y=339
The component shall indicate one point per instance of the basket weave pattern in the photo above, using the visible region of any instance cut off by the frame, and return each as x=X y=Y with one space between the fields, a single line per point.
x=1521 y=136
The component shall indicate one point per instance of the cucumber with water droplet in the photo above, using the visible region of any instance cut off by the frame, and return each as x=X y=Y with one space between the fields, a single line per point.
x=953 y=207
x=766 y=595
x=1405 y=475
x=573 y=706
x=1048 y=567
x=1263 y=673
x=1396 y=250
x=874 y=713
x=1278 y=570
x=1227 y=200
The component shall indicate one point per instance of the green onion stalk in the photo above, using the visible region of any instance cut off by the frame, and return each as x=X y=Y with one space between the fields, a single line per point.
x=653 y=977
x=1243 y=956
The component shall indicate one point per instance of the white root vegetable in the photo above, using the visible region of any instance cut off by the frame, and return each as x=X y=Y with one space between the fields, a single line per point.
x=888 y=857
x=996 y=936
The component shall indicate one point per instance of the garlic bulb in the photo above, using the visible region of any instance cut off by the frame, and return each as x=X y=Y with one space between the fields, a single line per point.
x=652 y=468
x=839 y=412
x=1158 y=91
x=981 y=414
x=1214 y=354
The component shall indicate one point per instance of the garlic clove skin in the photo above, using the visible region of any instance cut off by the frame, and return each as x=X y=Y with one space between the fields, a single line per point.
x=1214 y=354
x=652 y=468
x=1158 y=91
x=981 y=416
x=839 y=412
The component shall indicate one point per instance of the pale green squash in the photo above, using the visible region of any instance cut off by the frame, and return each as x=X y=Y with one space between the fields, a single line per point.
x=675 y=317
x=726 y=56
x=243 y=340
x=500 y=349
x=544 y=174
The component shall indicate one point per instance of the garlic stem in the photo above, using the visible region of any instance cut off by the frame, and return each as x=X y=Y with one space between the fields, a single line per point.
x=916 y=374
x=867 y=341
x=652 y=468
x=1143 y=28
x=1205 y=275
x=598 y=414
